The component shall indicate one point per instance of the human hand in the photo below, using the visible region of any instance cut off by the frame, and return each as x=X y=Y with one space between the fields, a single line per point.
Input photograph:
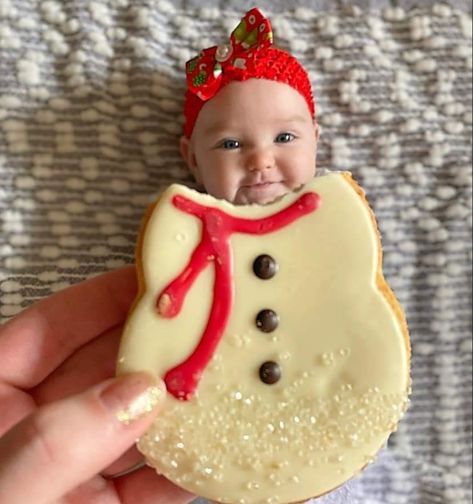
x=60 y=407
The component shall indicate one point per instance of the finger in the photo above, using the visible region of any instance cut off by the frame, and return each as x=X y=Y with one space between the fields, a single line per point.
x=89 y=365
x=15 y=405
x=130 y=461
x=34 y=343
x=94 y=491
x=145 y=486
x=65 y=443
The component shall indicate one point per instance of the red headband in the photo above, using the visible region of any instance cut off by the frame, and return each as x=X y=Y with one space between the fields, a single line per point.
x=249 y=55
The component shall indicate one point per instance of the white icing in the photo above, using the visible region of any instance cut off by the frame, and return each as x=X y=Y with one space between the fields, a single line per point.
x=237 y=438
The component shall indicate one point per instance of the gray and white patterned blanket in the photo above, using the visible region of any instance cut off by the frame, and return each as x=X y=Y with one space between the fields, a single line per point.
x=90 y=115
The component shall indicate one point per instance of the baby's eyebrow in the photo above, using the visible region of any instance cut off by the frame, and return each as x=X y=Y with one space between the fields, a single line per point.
x=220 y=127
x=292 y=119
x=217 y=128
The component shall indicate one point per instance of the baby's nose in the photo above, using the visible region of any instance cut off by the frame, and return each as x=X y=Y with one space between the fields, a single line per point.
x=260 y=159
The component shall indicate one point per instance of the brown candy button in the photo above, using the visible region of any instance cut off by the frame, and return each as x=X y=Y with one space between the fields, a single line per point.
x=265 y=267
x=267 y=320
x=270 y=372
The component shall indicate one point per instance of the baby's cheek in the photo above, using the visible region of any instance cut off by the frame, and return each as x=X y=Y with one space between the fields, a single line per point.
x=221 y=187
x=303 y=172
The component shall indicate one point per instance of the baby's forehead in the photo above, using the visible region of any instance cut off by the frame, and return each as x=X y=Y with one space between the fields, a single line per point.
x=255 y=101
x=234 y=122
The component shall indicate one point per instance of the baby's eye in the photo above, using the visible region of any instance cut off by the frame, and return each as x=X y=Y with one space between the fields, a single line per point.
x=284 y=138
x=230 y=144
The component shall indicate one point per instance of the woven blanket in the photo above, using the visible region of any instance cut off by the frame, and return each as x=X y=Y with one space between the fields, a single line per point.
x=90 y=116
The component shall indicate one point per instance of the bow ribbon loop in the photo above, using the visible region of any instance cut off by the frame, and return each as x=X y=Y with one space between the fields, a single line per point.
x=204 y=73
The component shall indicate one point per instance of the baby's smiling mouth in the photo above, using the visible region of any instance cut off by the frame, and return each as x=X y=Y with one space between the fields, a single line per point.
x=262 y=191
x=260 y=185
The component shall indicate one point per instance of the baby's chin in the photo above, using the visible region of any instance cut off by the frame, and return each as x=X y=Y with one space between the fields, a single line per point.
x=260 y=195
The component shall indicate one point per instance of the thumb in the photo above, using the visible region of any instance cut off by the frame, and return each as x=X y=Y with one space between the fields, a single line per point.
x=67 y=442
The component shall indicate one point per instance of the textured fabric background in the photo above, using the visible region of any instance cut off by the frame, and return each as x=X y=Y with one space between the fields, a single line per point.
x=319 y=5
x=90 y=115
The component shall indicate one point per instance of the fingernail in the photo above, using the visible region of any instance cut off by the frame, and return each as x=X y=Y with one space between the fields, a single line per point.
x=133 y=396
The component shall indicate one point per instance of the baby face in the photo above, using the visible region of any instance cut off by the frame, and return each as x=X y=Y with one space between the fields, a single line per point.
x=253 y=142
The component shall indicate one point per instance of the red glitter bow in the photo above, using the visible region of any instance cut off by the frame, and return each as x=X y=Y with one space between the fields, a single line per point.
x=204 y=72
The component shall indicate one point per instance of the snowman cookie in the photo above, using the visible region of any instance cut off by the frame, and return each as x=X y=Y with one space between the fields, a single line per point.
x=285 y=354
